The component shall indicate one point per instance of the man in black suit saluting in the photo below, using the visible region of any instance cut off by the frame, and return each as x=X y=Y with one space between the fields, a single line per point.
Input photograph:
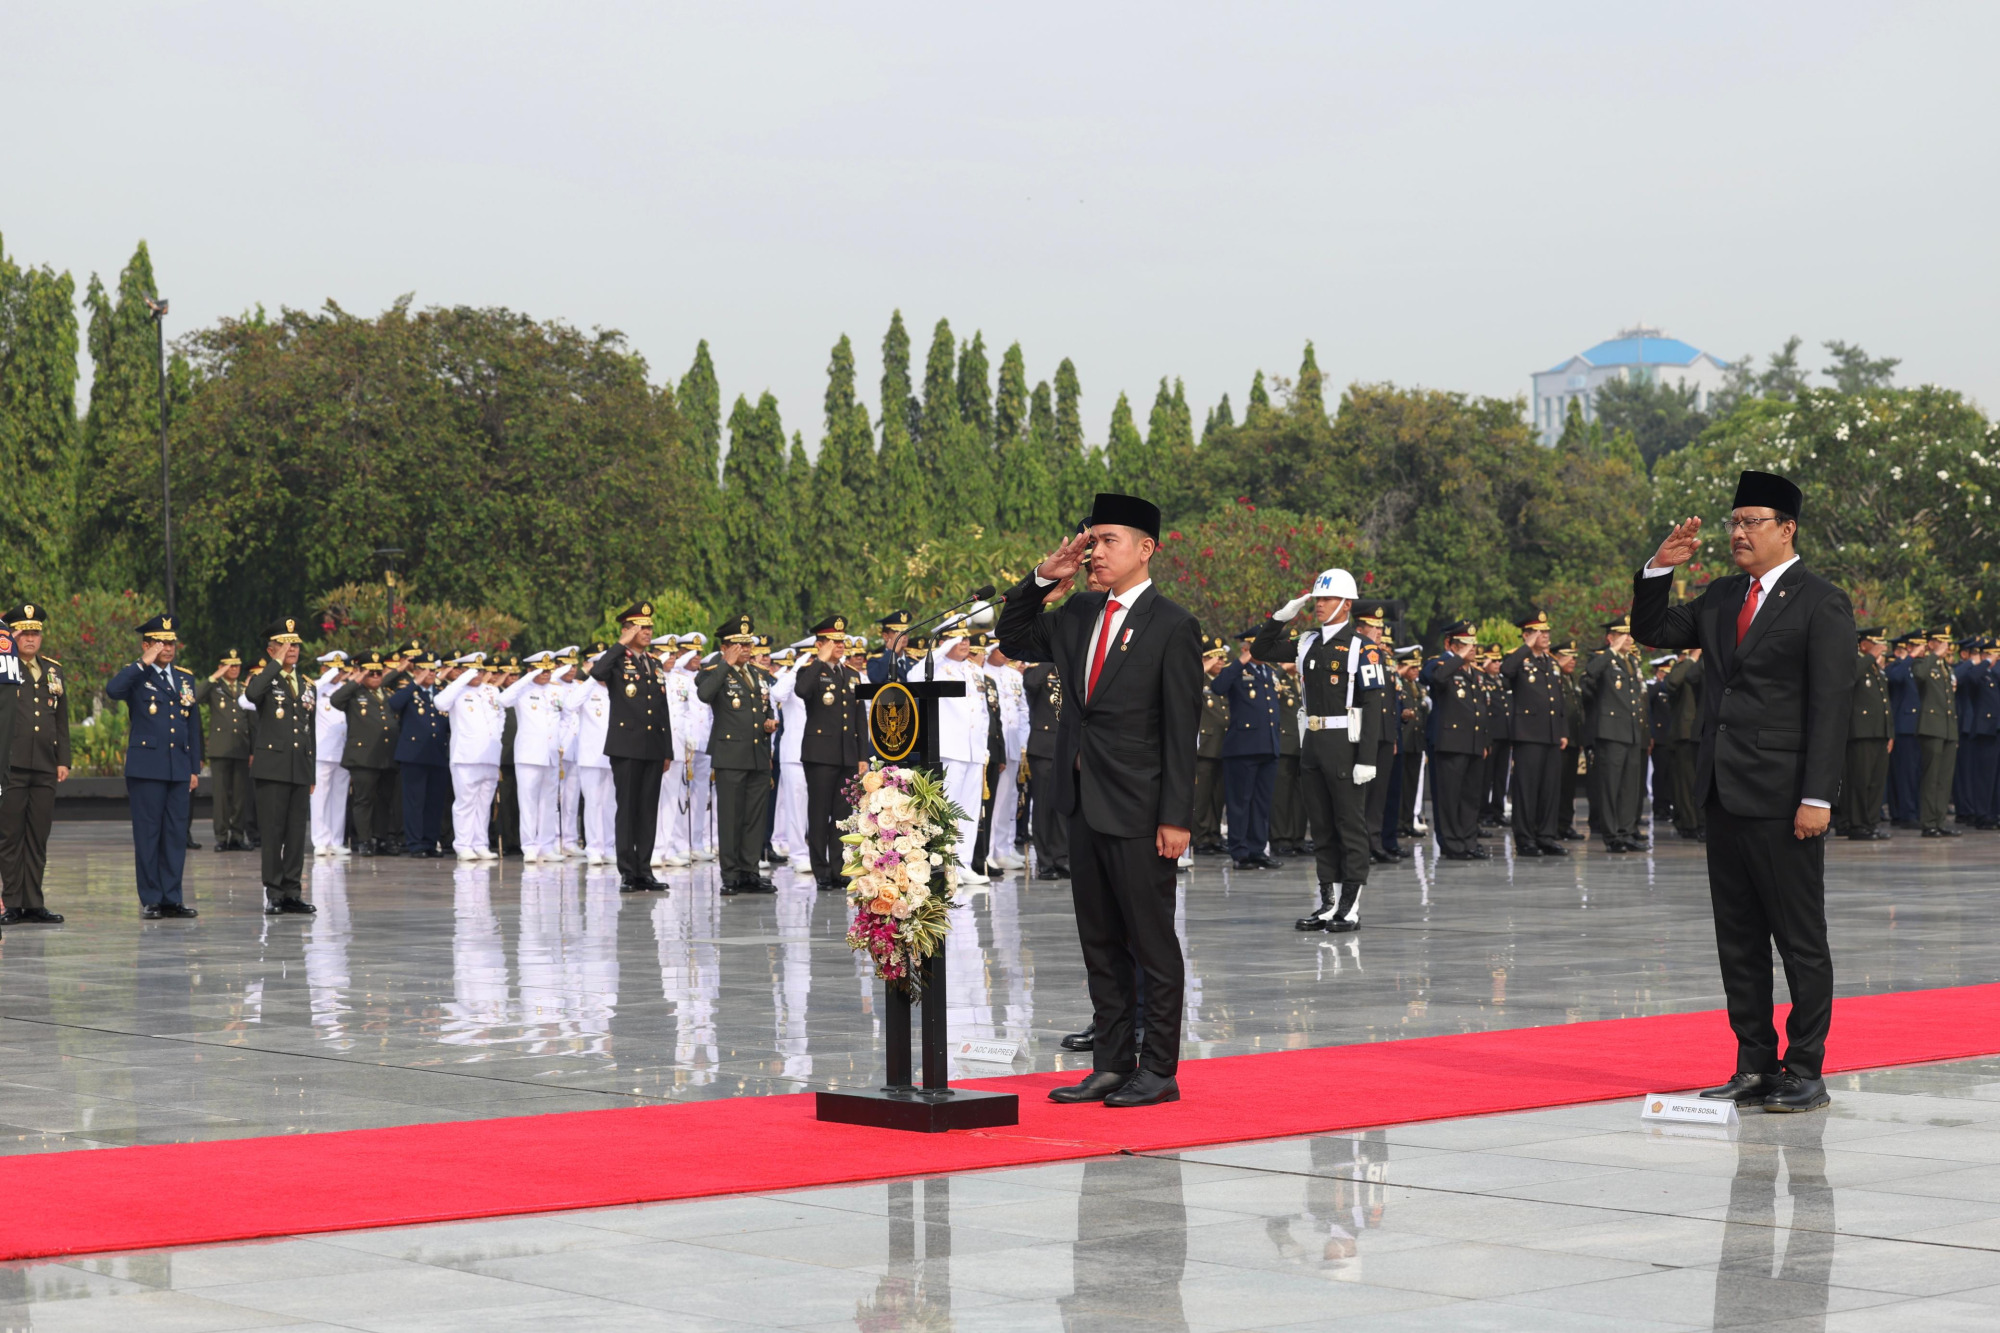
x=1777 y=642
x=1123 y=779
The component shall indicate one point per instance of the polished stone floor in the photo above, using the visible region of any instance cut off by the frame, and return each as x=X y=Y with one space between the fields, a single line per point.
x=431 y=990
x=1880 y=1214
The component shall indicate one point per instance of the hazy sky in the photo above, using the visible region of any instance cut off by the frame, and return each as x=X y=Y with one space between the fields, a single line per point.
x=1452 y=195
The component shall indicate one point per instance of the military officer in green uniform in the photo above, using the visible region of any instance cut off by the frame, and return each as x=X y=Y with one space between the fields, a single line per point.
x=831 y=747
x=1208 y=752
x=228 y=749
x=1937 y=732
x=283 y=760
x=1571 y=764
x=370 y=756
x=1288 y=798
x=739 y=749
x=1871 y=736
x=1614 y=694
x=37 y=759
x=1540 y=734
x=1044 y=687
x=639 y=742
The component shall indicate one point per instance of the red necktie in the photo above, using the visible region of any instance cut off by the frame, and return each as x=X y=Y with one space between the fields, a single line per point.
x=1749 y=611
x=1111 y=608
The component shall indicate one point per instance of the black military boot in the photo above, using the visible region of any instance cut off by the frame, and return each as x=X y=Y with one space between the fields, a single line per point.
x=1328 y=897
x=1346 y=912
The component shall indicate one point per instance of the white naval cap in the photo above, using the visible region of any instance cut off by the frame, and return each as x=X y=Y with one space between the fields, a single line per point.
x=805 y=644
x=469 y=659
x=1335 y=583
x=335 y=656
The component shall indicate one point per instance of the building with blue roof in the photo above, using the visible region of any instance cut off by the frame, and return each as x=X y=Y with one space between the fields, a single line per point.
x=1637 y=353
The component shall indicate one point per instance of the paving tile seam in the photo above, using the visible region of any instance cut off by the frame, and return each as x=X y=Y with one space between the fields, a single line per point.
x=639 y=1098
x=1595 y=1207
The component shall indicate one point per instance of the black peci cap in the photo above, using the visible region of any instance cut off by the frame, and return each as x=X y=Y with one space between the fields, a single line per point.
x=1766 y=490
x=1126 y=511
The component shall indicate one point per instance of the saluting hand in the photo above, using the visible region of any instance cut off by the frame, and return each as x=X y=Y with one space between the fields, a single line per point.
x=1063 y=562
x=1680 y=545
x=150 y=650
x=629 y=635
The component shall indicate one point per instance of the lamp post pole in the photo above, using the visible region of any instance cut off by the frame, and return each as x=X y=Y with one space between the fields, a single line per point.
x=158 y=307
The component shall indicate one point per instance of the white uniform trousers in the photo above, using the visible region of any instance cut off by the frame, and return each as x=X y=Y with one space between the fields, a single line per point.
x=472 y=788
x=788 y=829
x=329 y=804
x=671 y=830
x=1006 y=801
x=600 y=812
x=536 y=786
x=568 y=791
x=964 y=781
x=702 y=805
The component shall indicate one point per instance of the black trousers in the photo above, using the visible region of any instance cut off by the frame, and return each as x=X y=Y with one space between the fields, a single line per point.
x=1864 y=783
x=1455 y=800
x=368 y=795
x=230 y=797
x=1248 y=782
x=1662 y=781
x=1687 y=811
x=282 y=811
x=635 y=783
x=1939 y=758
x=1906 y=771
x=1048 y=826
x=742 y=801
x=426 y=793
x=1335 y=807
x=825 y=806
x=1375 y=807
x=27 y=808
x=507 y=814
x=1123 y=891
x=1288 y=805
x=1207 y=831
x=982 y=837
x=392 y=803
x=1768 y=887
x=1537 y=783
x=1618 y=771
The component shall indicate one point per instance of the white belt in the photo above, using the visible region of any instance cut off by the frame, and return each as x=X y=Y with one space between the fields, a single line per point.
x=1326 y=724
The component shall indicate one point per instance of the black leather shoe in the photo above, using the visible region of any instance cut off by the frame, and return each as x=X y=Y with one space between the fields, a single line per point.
x=1340 y=927
x=1554 y=849
x=297 y=907
x=651 y=885
x=1797 y=1094
x=1081 y=1041
x=1049 y=872
x=1329 y=897
x=193 y=846
x=1266 y=863
x=1571 y=835
x=831 y=886
x=149 y=913
x=632 y=886
x=1743 y=1089
x=1245 y=863
x=12 y=919
x=1527 y=849
x=1380 y=858
x=1145 y=1088
x=178 y=912
x=1100 y=1084
x=1478 y=854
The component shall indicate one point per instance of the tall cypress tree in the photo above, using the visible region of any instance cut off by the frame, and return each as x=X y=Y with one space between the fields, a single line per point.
x=1221 y=418
x=900 y=512
x=756 y=514
x=1077 y=479
x=1172 y=482
x=940 y=409
x=975 y=390
x=898 y=403
x=698 y=400
x=1310 y=393
x=115 y=545
x=1026 y=494
x=1259 y=401
x=808 y=563
x=38 y=434
x=842 y=478
x=1010 y=403
x=1127 y=459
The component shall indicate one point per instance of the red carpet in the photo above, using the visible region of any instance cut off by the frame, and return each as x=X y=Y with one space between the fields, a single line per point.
x=182 y=1194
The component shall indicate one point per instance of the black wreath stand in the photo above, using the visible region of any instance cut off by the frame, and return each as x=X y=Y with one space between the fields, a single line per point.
x=936 y=1106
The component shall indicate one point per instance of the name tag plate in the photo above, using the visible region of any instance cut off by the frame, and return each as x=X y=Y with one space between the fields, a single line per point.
x=1685 y=1109
x=988 y=1052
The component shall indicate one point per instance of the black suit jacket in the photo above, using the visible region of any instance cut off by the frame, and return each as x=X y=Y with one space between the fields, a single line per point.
x=1124 y=756
x=1774 y=711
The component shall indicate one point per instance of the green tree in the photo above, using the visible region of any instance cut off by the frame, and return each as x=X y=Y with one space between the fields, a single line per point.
x=1233 y=567
x=811 y=563
x=1308 y=393
x=975 y=390
x=1010 y=403
x=900 y=514
x=1854 y=371
x=1077 y=479
x=932 y=428
x=756 y=521
x=898 y=403
x=699 y=401
x=1128 y=458
x=118 y=537
x=1175 y=483
x=843 y=482
x=1660 y=418
x=1783 y=377
x=1221 y=420
x=1259 y=400
x=1025 y=494
x=38 y=429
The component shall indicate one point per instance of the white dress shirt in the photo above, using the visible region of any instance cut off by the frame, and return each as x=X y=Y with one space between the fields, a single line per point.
x=1097 y=627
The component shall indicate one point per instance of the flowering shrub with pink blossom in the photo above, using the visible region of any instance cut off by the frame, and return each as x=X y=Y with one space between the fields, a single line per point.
x=901 y=866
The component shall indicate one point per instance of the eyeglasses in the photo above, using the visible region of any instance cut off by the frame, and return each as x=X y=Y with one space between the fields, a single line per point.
x=1739 y=524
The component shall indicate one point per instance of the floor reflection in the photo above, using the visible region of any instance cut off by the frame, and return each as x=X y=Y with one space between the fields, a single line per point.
x=1776 y=1267
x=915 y=1291
x=1345 y=1196
x=1128 y=1262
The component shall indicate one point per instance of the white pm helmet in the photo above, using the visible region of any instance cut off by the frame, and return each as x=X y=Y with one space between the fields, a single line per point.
x=1335 y=583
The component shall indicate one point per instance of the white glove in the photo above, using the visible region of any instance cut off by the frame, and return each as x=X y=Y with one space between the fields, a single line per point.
x=1291 y=608
x=1363 y=774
